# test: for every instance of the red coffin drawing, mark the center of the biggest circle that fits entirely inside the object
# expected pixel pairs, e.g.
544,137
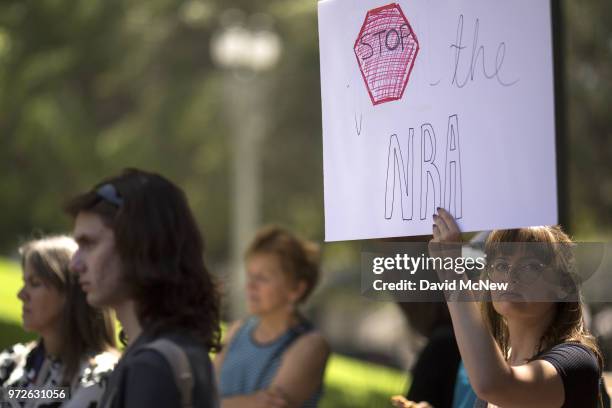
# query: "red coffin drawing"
386,49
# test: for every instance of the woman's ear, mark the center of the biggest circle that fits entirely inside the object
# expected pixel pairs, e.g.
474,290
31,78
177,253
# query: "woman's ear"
298,291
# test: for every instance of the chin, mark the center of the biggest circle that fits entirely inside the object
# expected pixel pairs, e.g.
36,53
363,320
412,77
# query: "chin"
261,310
509,308
522,309
254,309
94,300
29,327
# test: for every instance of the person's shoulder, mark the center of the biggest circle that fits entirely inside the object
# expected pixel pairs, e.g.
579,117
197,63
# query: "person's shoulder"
573,359
306,335
16,353
148,357
98,366
105,360
232,330
18,349
578,367
13,360
152,353
308,354
573,351
146,365
147,377
312,343
159,364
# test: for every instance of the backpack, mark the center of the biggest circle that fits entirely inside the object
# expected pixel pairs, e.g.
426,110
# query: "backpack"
179,363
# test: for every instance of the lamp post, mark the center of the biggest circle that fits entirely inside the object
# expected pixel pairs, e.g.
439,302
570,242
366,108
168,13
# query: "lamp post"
245,51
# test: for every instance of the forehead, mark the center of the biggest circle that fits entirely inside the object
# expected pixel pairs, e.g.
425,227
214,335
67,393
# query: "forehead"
90,225
516,250
516,255
28,269
263,262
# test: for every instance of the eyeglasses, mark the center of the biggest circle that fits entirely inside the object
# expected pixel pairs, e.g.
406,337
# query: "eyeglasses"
528,270
109,193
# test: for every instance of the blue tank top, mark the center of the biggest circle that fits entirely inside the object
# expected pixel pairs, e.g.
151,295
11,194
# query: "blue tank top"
250,366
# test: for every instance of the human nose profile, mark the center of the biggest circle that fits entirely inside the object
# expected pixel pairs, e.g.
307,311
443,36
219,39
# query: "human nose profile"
76,263
22,294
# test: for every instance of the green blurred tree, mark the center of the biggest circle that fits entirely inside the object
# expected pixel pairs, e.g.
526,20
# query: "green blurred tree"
87,88
91,87
588,67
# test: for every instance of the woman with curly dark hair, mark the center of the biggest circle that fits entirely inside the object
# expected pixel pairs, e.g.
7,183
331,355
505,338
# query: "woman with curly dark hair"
141,253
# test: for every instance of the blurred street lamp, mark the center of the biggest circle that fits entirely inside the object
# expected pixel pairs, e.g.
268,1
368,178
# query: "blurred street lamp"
240,48
245,52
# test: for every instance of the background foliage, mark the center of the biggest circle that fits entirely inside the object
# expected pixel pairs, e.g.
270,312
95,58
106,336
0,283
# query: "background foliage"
90,87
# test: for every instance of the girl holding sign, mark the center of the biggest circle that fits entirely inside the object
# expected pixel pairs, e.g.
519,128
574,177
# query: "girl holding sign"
520,353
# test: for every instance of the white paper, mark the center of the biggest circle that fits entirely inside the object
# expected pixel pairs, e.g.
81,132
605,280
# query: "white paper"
482,79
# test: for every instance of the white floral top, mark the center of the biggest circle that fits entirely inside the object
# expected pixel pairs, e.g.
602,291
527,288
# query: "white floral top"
85,391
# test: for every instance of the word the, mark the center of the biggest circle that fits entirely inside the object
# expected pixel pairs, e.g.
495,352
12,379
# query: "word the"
478,51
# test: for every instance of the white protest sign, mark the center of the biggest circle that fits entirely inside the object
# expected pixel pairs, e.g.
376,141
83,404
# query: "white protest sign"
436,104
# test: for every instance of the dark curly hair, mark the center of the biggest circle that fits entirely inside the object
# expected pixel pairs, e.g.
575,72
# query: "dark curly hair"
161,249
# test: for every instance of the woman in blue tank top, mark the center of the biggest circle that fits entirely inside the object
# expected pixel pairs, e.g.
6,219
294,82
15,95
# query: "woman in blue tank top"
274,358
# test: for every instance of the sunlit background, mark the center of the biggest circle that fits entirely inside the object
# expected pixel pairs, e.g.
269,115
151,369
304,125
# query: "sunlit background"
223,97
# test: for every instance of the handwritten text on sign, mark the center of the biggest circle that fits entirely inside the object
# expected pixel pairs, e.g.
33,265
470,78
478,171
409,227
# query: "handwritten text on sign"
431,105
386,48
